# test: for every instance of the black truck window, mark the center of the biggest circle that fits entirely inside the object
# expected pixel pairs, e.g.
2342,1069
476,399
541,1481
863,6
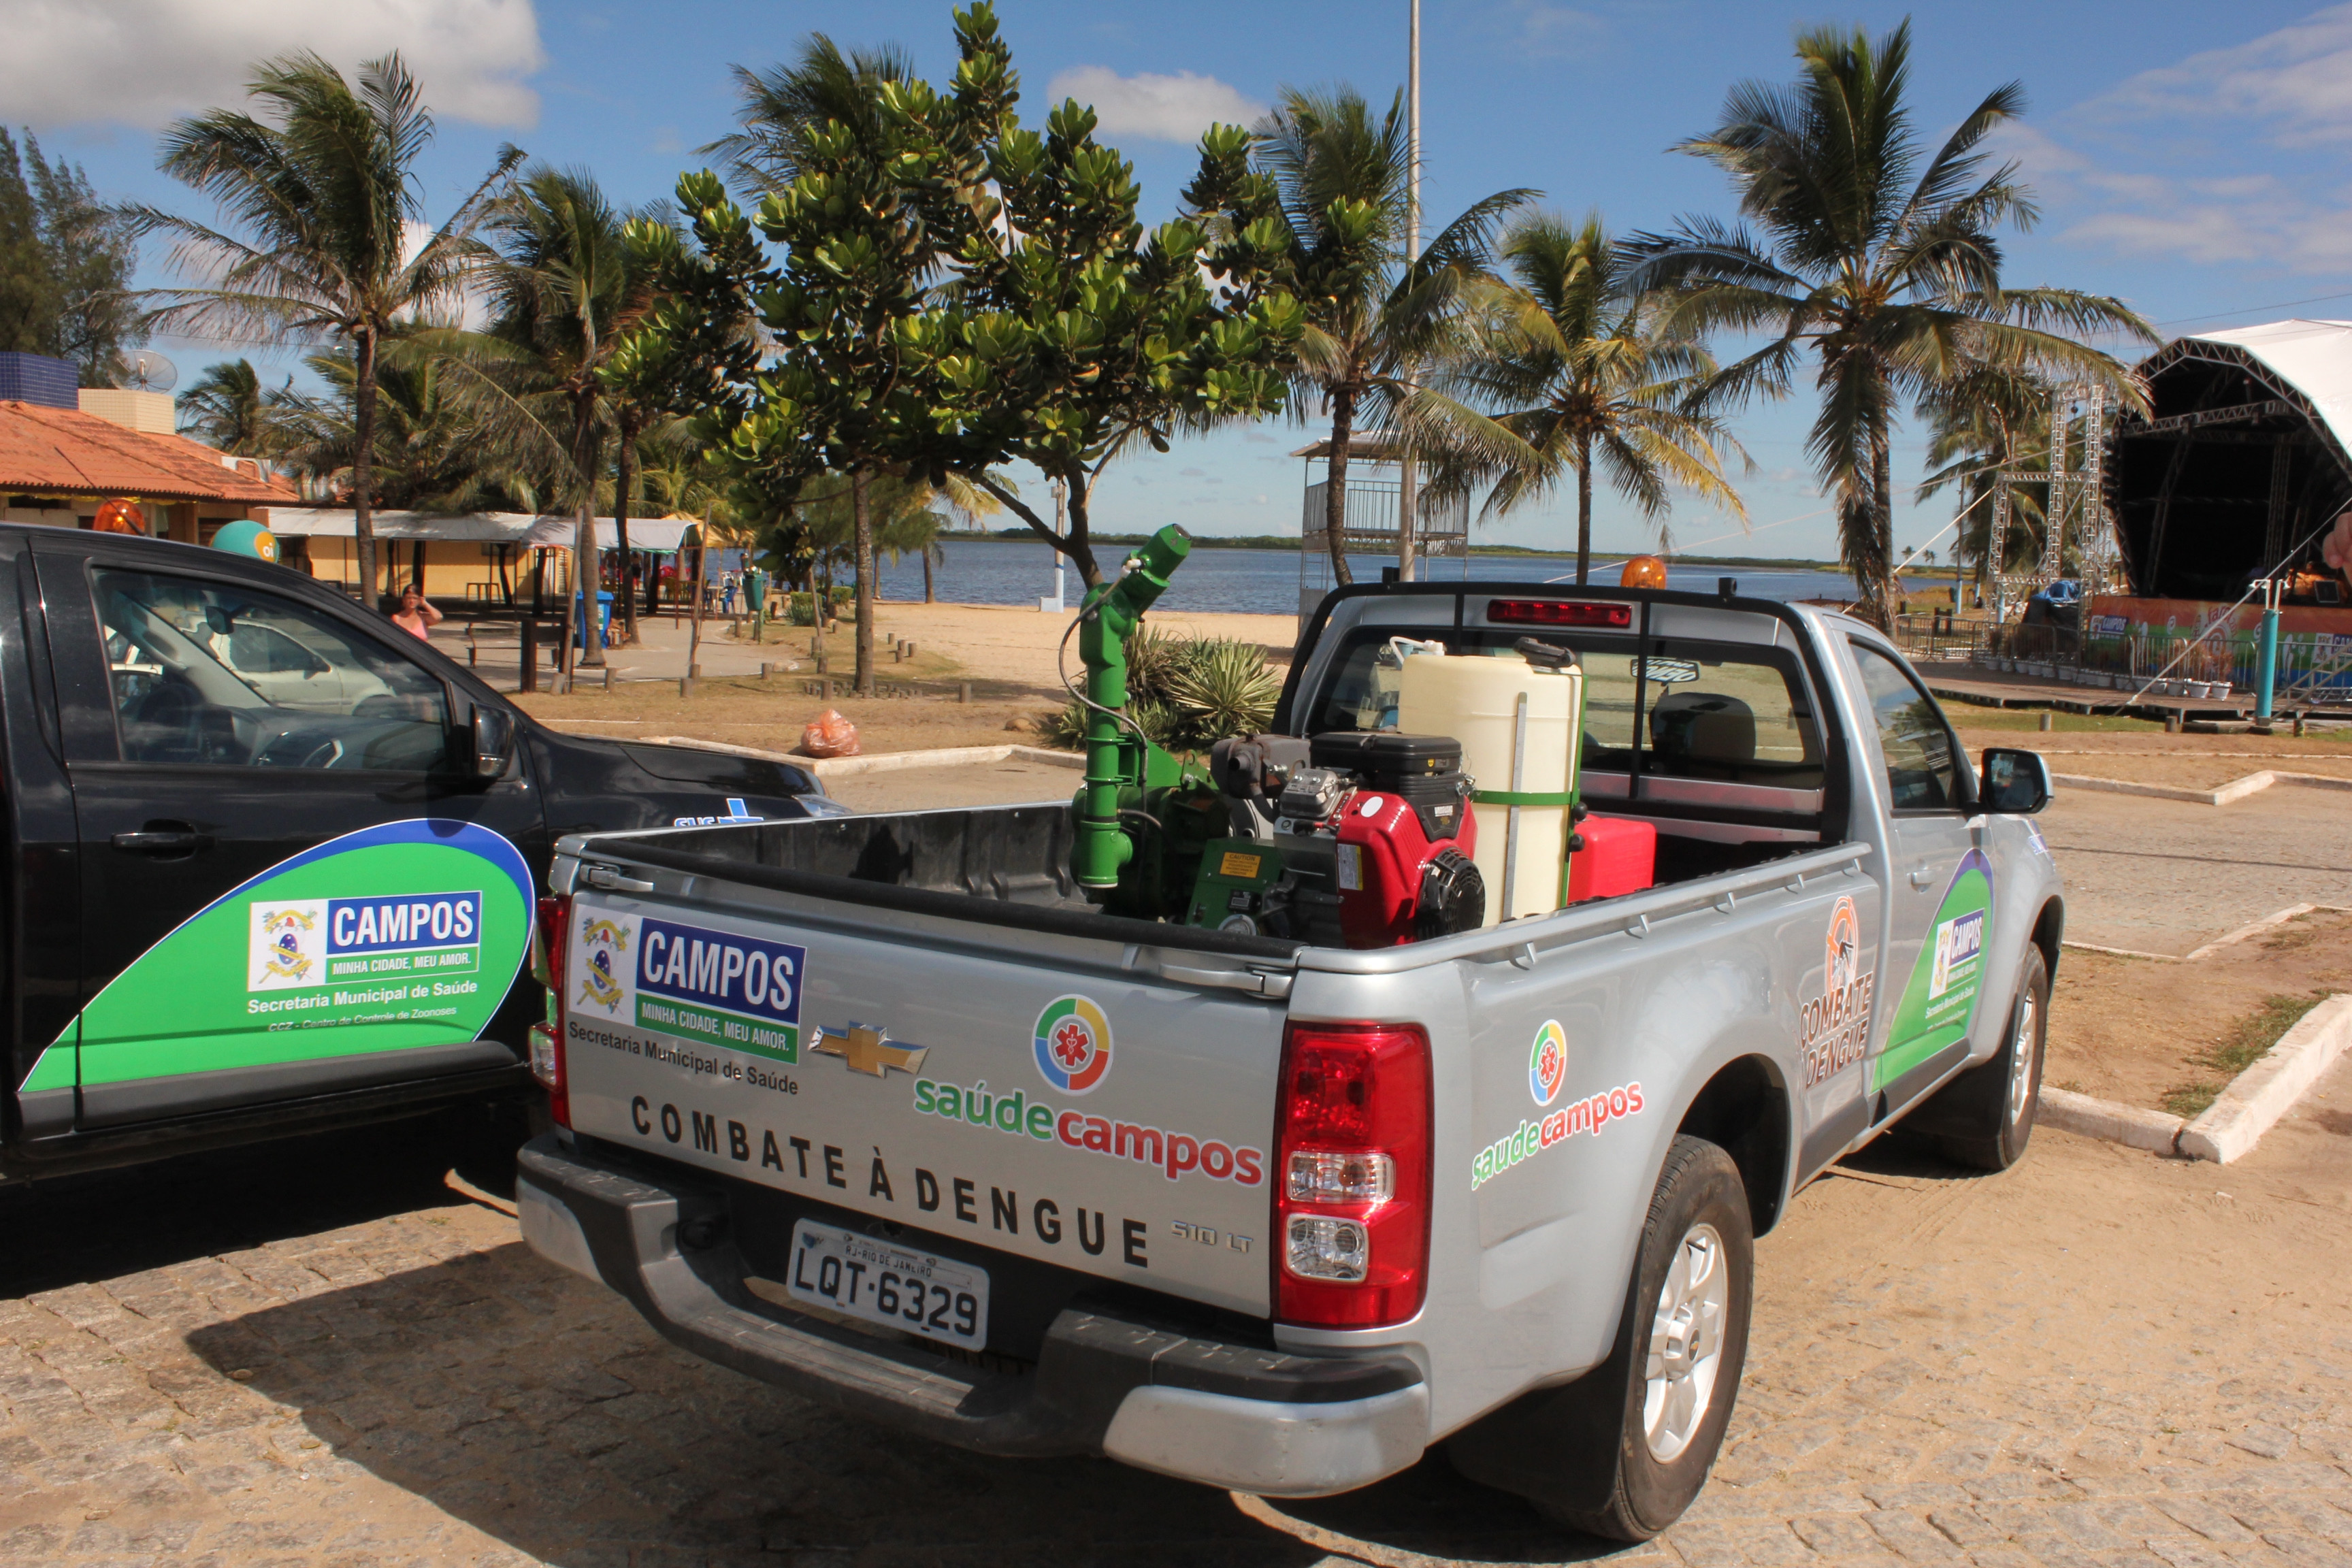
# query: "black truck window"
1922,756
213,672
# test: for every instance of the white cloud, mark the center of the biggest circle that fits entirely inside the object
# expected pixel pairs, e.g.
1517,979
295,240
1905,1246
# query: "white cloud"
2211,161
1164,108
2298,78
145,62
1548,31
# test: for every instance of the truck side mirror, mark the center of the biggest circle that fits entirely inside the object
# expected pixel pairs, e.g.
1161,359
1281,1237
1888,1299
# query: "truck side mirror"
493,741
2016,782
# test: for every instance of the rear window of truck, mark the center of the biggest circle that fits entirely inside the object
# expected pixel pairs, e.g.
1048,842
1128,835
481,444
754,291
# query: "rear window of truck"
1729,712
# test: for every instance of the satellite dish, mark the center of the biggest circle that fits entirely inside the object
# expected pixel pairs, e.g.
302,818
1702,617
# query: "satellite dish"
151,372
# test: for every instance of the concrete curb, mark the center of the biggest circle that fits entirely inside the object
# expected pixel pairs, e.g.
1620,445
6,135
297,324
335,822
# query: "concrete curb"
2235,789
2156,1132
881,762
2257,1098
2255,928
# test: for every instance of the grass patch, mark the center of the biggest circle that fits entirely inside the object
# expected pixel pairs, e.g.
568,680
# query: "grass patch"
2246,1043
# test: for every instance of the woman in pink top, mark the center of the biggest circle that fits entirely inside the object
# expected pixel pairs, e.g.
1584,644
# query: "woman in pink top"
416,613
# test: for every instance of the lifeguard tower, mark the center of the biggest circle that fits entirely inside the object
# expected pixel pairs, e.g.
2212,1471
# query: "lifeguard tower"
1373,517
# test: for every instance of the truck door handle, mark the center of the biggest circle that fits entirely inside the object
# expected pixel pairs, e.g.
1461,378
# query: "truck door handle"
1921,877
156,840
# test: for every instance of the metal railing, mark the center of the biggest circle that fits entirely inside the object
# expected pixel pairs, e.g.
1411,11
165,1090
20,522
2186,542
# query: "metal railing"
1372,513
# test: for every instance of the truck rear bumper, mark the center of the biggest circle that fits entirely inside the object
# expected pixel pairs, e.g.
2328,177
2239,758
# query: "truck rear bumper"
1236,1415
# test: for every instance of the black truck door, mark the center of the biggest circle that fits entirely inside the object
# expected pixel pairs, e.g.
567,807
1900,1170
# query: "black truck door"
290,885
42,912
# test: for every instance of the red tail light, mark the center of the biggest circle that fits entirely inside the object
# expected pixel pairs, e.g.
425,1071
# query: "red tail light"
551,937
1352,1194
1558,613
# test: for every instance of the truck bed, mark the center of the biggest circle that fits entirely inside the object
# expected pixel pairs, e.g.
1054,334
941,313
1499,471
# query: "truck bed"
1015,858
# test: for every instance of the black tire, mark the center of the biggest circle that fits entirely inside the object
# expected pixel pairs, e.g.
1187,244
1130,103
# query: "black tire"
1585,1453
1984,1118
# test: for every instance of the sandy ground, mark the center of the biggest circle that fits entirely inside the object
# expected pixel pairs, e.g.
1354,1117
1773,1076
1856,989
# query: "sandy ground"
2128,1029
1007,657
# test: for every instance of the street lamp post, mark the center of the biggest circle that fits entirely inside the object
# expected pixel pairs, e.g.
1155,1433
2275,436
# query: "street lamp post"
1408,479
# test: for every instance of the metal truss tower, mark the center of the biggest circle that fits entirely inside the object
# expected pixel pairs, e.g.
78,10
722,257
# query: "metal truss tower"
2077,506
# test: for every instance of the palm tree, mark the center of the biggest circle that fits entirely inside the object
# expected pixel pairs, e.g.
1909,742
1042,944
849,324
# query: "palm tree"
226,409
1892,281
563,283
325,192
1571,369
1342,176
780,106
427,454
1985,420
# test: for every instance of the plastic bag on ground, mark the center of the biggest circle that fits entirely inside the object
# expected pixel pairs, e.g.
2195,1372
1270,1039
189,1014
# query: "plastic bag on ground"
829,735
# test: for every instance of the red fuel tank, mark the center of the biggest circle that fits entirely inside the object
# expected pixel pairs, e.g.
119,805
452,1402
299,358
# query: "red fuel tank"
1620,856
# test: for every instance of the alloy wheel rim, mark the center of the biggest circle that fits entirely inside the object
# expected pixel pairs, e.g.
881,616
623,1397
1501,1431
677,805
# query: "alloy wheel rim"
1686,1344
2020,1065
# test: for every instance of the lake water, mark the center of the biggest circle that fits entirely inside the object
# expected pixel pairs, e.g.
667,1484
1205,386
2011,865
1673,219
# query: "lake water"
1265,582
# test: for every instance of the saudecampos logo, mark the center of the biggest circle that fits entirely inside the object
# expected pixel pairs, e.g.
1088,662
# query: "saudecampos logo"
1176,1154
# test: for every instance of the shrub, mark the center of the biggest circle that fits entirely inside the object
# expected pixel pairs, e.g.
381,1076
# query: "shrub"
1221,689
801,610
1184,693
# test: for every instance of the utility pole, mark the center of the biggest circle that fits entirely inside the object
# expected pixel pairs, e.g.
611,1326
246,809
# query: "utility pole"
1408,479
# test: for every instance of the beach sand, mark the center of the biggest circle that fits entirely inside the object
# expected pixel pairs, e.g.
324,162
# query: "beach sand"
1007,655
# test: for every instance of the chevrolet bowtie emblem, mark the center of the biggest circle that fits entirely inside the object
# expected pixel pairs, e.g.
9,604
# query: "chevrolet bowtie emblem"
867,1049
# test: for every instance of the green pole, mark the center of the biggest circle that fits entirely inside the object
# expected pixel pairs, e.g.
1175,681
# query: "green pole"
1110,613
2266,666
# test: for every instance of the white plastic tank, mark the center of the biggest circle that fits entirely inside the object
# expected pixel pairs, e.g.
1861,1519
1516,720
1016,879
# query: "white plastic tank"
1475,698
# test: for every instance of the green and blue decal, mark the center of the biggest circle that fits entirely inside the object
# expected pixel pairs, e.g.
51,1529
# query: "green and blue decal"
394,937
1939,1003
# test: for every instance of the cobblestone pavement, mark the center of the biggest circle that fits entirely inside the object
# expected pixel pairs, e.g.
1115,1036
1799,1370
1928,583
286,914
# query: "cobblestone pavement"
2101,1358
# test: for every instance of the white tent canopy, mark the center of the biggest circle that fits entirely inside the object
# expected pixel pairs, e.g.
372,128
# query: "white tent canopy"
545,531
2313,357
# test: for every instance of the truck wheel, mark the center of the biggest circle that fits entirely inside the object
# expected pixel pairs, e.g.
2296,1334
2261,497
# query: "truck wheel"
1623,1450
1984,1118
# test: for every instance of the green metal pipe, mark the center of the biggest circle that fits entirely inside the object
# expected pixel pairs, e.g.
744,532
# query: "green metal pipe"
1114,759
2266,665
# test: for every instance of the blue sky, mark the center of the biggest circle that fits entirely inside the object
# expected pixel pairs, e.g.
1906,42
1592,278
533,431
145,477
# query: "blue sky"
2189,158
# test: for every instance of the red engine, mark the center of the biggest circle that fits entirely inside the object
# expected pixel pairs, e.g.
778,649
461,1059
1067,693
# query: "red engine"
1405,839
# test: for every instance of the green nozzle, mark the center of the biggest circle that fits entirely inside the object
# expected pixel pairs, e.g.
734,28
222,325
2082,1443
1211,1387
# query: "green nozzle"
1110,613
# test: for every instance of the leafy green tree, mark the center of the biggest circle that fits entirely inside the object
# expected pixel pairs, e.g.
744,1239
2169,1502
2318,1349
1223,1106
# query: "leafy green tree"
227,407
1573,368
66,262
321,194
1875,255
958,294
1337,213
1069,333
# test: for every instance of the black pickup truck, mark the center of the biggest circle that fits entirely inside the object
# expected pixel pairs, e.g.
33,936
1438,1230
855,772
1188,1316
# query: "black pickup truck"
272,862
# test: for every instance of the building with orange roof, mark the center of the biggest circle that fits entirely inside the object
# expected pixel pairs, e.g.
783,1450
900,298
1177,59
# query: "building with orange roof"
62,467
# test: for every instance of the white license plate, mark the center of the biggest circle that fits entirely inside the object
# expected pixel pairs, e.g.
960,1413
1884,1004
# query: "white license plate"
893,1286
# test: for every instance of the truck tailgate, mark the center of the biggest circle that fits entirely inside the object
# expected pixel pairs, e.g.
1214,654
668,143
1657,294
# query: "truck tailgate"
1080,1115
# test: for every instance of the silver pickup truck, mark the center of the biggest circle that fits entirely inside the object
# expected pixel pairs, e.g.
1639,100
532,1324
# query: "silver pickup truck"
881,1110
